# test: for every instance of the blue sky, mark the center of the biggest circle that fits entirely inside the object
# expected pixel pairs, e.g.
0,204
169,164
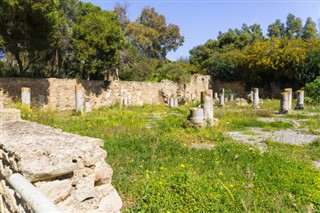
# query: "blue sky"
202,20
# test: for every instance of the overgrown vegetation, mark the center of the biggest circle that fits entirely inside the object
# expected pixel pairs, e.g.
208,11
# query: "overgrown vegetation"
156,170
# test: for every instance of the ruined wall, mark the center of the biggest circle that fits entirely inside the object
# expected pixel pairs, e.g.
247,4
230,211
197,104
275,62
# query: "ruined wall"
70,170
60,93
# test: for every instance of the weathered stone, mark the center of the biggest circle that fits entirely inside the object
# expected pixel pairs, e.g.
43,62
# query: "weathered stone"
60,93
103,173
110,202
221,100
79,98
255,98
207,105
85,188
231,97
215,96
289,91
284,103
56,190
68,168
25,96
300,100
10,114
87,105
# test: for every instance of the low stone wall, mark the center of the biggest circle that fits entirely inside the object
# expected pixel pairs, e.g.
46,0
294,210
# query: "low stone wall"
69,169
60,93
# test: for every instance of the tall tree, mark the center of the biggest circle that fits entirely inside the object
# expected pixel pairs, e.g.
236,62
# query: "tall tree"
151,35
277,29
67,12
28,27
294,26
121,11
309,29
96,41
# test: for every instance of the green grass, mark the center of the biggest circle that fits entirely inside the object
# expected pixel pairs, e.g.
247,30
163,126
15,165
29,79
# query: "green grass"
155,170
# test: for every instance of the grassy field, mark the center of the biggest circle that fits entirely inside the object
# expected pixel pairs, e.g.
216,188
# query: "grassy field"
156,170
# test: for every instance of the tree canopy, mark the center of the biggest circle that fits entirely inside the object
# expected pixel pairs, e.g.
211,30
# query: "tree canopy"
288,56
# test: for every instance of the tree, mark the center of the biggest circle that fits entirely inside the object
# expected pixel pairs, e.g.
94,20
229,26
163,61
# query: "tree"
121,11
67,12
310,29
151,35
96,42
294,26
277,29
28,27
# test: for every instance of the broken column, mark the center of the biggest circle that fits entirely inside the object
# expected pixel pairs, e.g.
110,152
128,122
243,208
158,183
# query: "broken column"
25,96
87,105
300,100
215,96
221,100
284,103
289,91
79,99
231,97
207,105
176,102
197,117
255,98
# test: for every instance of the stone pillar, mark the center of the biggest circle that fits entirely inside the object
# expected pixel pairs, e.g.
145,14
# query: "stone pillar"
87,105
215,96
300,100
197,118
207,105
255,98
171,102
25,96
289,91
231,97
284,103
175,102
221,100
79,99
125,102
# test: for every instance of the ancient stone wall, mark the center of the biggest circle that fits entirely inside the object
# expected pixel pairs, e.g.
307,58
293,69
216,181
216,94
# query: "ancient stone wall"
70,170
60,93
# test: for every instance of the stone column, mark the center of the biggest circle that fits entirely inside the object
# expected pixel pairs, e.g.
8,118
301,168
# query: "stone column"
207,105
289,91
255,98
125,101
300,100
231,97
87,105
171,102
215,95
25,96
79,99
196,117
221,100
284,103
175,102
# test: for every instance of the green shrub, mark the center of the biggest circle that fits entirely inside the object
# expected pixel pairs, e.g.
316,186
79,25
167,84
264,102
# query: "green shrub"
25,111
313,91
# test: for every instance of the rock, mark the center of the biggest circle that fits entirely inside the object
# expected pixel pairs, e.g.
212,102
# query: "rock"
56,190
103,173
10,114
69,169
111,202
